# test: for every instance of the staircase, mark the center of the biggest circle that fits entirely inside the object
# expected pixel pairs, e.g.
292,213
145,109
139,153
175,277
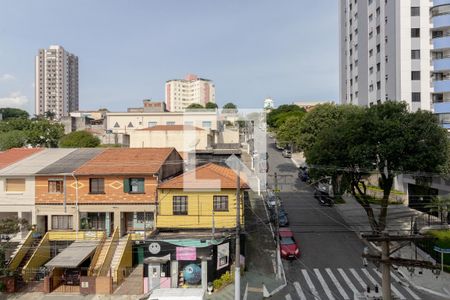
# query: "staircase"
120,259
101,257
31,249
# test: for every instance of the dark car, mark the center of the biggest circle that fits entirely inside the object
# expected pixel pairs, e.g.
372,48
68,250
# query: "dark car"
71,277
288,245
323,197
283,220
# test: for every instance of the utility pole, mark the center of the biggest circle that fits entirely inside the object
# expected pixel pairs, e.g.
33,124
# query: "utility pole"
386,260
277,226
237,267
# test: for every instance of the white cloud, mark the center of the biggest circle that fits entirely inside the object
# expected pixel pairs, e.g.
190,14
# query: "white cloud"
6,77
14,99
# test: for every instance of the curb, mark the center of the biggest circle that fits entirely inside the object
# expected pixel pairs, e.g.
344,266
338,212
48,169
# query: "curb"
415,285
295,163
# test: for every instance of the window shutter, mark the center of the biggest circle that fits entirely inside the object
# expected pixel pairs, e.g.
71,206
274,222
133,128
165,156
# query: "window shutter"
126,185
141,187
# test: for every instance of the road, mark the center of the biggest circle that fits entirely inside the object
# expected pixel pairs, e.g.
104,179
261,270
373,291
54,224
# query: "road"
330,266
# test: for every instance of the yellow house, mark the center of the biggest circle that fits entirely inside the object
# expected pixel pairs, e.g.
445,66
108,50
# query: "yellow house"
200,199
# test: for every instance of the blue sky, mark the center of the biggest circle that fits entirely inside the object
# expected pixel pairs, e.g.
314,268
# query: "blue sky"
251,49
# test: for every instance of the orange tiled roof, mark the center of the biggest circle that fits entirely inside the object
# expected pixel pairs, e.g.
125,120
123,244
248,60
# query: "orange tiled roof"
171,128
126,161
219,178
13,155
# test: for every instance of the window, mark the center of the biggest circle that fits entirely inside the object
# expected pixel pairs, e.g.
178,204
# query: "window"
415,54
61,222
378,85
96,185
378,29
415,11
415,32
206,124
170,123
220,203
144,217
370,53
415,97
152,124
55,186
415,75
116,125
371,70
378,48
180,205
130,125
134,185
371,88
15,185
378,67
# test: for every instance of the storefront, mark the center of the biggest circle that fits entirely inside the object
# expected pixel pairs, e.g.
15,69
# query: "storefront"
184,262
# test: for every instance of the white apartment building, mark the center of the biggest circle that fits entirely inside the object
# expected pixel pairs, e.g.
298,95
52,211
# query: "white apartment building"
385,52
180,93
56,82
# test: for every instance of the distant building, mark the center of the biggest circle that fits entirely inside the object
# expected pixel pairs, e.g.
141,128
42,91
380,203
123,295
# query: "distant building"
149,106
268,103
180,93
56,82
308,105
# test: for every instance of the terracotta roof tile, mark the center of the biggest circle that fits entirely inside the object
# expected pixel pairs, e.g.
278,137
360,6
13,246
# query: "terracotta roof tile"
209,176
171,128
11,156
126,161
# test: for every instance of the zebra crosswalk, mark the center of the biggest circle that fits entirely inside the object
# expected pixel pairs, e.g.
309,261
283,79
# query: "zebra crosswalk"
336,284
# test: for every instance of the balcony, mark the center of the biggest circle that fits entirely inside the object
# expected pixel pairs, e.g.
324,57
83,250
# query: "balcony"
440,2
441,43
441,64
441,86
441,108
441,21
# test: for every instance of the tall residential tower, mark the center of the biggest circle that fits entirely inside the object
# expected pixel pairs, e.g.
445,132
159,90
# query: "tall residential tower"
180,93
56,82
385,52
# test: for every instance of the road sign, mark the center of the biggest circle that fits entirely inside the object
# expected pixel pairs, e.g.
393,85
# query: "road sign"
441,250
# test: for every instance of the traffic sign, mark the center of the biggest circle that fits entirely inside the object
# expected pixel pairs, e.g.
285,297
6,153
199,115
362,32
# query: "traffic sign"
442,250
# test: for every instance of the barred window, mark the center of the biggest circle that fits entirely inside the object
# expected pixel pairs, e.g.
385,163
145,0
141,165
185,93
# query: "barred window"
220,203
96,185
55,186
61,222
180,205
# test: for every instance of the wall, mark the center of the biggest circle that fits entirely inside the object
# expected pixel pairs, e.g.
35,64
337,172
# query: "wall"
200,207
18,201
114,193
180,140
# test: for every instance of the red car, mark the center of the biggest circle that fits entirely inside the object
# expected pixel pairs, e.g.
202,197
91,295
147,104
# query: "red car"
288,244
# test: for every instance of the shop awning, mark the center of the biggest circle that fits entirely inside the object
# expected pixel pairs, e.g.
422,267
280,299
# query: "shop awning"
74,255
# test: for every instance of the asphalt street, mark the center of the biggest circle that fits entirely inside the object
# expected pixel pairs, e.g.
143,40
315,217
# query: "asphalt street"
330,266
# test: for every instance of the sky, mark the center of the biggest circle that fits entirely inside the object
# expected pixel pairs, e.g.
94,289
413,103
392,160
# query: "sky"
127,50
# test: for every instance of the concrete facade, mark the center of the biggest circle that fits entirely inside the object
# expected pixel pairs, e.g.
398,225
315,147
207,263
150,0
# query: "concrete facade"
56,82
385,52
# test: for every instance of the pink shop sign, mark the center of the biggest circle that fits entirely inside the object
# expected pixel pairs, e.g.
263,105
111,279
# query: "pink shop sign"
186,253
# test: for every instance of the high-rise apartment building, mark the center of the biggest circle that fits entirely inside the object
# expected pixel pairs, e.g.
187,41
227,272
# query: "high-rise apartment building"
180,93
440,34
385,52
56,81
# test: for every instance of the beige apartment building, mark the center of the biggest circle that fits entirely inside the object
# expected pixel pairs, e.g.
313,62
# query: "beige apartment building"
180,93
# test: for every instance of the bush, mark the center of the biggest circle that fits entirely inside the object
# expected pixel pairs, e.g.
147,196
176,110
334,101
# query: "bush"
224,280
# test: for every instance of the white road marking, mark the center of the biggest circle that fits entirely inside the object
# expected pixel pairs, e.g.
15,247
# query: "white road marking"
374,282
337,284
361,282
288,297
311,286
414,295
324,284
299,291
393,288
348,282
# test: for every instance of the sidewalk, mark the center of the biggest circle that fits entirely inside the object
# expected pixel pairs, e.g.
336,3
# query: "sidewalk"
399,221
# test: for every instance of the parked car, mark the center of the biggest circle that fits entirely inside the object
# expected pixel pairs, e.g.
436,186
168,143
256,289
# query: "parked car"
279,146
288,245
283,220
71,277
323,192
270,199
287,153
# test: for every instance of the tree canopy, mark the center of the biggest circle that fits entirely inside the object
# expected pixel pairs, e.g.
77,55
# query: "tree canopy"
211,105
79,139
21,132
279,115
229,105
12,113
194,106
351,142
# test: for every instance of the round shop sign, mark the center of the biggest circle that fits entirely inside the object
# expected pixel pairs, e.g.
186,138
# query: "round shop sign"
154,248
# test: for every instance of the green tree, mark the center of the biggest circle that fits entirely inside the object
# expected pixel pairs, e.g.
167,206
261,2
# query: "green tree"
79,139
229,105
12,113
384,139
12,139
277,116
195,106
441,206
211,105
289,130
